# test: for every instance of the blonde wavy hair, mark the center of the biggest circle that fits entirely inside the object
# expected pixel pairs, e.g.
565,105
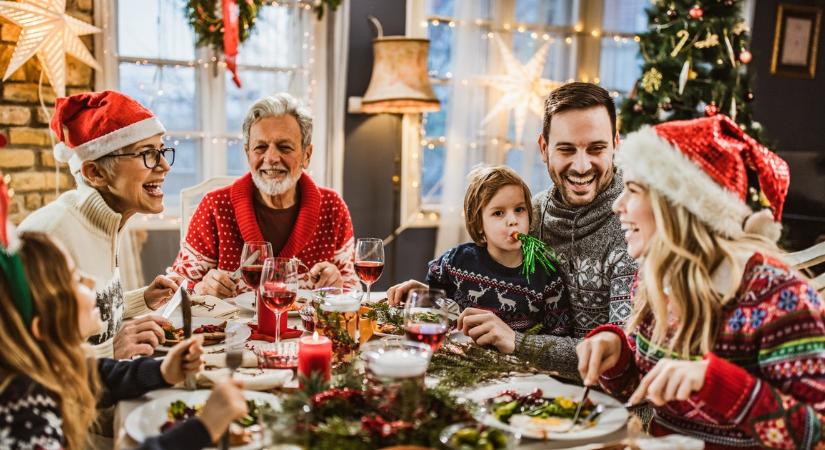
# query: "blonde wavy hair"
682,257
57,359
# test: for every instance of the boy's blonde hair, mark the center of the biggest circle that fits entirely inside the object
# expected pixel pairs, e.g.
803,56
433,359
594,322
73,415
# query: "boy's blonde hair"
485,181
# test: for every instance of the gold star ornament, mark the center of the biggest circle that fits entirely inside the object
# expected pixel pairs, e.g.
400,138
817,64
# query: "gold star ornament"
522,86
48,32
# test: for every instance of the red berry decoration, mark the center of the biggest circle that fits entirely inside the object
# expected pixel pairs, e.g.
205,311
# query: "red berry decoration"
696,12
711,110
745,56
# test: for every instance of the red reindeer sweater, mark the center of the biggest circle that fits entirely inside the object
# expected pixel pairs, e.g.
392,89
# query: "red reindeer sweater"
225,219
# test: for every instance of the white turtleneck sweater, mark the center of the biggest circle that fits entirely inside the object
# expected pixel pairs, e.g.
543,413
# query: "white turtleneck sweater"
82,221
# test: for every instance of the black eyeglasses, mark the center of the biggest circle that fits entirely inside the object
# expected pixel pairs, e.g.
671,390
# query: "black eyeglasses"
151,158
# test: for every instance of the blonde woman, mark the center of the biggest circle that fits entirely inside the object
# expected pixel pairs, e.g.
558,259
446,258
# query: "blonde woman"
50,384
725,340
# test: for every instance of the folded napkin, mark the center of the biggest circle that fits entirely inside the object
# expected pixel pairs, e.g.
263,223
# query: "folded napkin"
253,379
219,359
209,306
286,333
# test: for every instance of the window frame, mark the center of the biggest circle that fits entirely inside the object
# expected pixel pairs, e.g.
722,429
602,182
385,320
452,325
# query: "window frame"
210,95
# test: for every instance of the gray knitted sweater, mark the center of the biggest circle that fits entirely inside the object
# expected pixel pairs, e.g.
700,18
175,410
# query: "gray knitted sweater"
596,270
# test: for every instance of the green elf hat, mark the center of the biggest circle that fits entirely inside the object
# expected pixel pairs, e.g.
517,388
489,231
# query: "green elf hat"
11,264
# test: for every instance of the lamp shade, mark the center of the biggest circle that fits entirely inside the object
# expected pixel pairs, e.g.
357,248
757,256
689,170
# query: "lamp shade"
399,82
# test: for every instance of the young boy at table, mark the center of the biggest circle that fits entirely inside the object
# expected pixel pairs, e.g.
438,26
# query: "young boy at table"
487,273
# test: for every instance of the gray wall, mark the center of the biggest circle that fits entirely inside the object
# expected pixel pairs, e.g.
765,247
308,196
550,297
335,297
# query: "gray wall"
373,151
792,112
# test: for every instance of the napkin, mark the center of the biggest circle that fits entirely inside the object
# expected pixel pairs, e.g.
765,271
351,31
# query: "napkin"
219,359
286,333
253,379
209,306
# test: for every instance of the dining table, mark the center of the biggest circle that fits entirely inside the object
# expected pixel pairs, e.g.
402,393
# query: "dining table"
123,440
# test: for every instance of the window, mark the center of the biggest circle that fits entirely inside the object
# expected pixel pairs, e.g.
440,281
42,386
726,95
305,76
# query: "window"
526,26
190,90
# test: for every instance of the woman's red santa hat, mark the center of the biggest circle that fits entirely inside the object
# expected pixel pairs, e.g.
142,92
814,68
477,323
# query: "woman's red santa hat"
703,164
94,124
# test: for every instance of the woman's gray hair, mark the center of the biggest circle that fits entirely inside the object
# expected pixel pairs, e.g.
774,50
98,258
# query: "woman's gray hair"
278,105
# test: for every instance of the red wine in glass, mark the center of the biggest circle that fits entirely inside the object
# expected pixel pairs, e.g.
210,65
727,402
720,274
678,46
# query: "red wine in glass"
277,297
369,271
252,275
432,334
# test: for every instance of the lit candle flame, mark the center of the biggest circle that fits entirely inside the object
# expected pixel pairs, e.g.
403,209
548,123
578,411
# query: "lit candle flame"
315,336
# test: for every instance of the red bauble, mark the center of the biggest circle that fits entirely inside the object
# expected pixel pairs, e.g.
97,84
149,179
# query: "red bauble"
696,12
745,56
711,110
3,140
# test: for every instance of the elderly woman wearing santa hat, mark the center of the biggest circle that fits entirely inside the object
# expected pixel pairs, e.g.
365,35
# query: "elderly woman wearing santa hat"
726,341
114,149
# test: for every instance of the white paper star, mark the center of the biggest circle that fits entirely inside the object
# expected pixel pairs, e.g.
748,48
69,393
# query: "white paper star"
48,32
523,87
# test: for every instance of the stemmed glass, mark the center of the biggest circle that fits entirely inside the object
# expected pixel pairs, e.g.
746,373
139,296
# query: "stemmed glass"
425,317
279,286
251,267
369,261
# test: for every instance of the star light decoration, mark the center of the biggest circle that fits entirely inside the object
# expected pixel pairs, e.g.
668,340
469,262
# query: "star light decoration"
522,85
50,33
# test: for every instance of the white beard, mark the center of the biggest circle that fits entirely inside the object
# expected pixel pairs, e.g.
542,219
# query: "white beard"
274,187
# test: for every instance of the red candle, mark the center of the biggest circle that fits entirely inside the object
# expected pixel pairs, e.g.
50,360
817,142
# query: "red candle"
314,355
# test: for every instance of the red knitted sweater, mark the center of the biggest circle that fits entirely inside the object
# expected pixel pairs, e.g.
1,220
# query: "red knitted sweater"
765,381
225,219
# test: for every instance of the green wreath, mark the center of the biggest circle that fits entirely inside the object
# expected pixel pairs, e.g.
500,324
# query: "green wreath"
208,26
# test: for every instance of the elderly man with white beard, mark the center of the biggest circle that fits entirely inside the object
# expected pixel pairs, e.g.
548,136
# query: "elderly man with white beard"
275,202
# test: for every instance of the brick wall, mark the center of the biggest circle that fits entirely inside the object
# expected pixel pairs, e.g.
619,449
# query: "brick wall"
27,157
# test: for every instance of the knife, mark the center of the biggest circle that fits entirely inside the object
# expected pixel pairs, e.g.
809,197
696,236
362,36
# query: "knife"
186,312
247,261
170,307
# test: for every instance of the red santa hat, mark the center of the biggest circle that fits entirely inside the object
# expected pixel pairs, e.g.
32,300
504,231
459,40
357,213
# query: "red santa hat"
703,165
94,124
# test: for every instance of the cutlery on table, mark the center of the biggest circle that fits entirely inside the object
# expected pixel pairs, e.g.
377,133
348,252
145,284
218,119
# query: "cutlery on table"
234,360
186,312
578,413
170,307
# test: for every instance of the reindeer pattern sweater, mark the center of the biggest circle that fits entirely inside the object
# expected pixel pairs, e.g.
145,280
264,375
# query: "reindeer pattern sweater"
472,278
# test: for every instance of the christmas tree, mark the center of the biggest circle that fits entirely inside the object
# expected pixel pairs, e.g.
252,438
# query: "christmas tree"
695,64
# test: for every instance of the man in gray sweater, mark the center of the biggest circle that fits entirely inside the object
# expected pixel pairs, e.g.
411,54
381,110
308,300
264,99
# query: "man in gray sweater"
575,218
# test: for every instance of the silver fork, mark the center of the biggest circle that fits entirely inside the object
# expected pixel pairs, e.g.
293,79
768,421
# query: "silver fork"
234,359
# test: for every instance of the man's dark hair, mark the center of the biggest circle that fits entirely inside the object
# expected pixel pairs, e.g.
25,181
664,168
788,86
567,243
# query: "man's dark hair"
577,95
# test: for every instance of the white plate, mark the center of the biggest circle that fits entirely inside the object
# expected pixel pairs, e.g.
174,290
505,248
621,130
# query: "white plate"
145,421
247,301
177,322
613,418
254,379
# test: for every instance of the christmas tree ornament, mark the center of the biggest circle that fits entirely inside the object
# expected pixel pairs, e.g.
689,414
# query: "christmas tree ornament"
692,74
3,140
666,104
696,12
712,40
745,56
522,86
671,12
749,96
683,76
534,249
732,113
638,107
711,109
728,3
683,36
50,33
652,80
730,49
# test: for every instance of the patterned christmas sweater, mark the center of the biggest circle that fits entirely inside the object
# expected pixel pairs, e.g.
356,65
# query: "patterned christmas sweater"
765,381
31,419
225,219
472,278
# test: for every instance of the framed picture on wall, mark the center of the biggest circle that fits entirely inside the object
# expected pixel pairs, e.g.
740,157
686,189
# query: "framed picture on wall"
795,40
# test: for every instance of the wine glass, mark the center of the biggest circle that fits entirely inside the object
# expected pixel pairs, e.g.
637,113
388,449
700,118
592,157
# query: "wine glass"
279,286
251,267
369,261
425,317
